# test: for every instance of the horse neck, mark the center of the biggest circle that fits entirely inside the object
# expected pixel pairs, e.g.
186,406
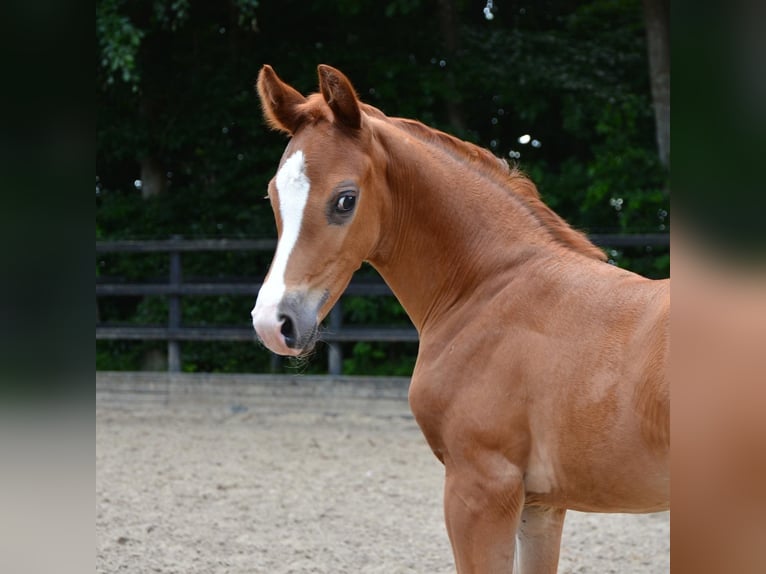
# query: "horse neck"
452,228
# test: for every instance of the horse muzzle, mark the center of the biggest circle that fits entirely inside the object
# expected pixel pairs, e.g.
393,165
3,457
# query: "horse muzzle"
290,326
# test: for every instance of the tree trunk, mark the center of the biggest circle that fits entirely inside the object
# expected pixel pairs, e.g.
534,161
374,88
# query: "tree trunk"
657,16
451,39
152,177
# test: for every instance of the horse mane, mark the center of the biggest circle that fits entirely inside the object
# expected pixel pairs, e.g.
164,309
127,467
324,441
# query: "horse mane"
512,179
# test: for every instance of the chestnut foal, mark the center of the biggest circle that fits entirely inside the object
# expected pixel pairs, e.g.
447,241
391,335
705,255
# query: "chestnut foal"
540,380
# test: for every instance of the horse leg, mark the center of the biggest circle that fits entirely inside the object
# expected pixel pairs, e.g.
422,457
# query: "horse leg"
482,512
539,539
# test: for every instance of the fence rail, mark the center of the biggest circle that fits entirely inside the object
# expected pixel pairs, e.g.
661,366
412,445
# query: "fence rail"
174,332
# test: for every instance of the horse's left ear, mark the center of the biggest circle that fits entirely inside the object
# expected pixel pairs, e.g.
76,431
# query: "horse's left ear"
340,96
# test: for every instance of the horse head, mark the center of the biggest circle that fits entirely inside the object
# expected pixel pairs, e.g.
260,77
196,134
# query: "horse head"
327,203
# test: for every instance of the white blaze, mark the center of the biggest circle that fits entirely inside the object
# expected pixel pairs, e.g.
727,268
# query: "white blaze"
293,192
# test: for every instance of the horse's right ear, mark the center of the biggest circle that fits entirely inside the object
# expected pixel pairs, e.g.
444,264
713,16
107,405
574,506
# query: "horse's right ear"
281,103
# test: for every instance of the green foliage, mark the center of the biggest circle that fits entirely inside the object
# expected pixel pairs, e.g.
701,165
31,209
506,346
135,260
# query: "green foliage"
381,359
118,42
366,310
171,15
174,84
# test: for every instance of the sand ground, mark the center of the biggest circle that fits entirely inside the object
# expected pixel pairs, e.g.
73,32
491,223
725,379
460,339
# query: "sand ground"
280,484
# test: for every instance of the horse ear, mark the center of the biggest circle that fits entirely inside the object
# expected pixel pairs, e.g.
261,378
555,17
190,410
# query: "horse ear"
281,103
340,96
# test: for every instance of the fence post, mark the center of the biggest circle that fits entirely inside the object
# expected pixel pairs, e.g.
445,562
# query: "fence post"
335,354
174,311
275,363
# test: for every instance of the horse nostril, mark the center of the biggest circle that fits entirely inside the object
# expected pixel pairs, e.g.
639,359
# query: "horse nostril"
288,330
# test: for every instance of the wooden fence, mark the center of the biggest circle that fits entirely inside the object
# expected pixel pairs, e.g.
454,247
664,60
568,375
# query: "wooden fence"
175,288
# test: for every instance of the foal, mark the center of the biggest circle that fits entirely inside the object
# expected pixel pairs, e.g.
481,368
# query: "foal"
540,381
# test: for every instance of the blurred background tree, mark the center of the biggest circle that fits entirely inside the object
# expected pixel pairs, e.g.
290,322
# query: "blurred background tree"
564,88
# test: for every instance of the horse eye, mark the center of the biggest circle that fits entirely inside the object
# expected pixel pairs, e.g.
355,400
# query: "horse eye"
345,203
